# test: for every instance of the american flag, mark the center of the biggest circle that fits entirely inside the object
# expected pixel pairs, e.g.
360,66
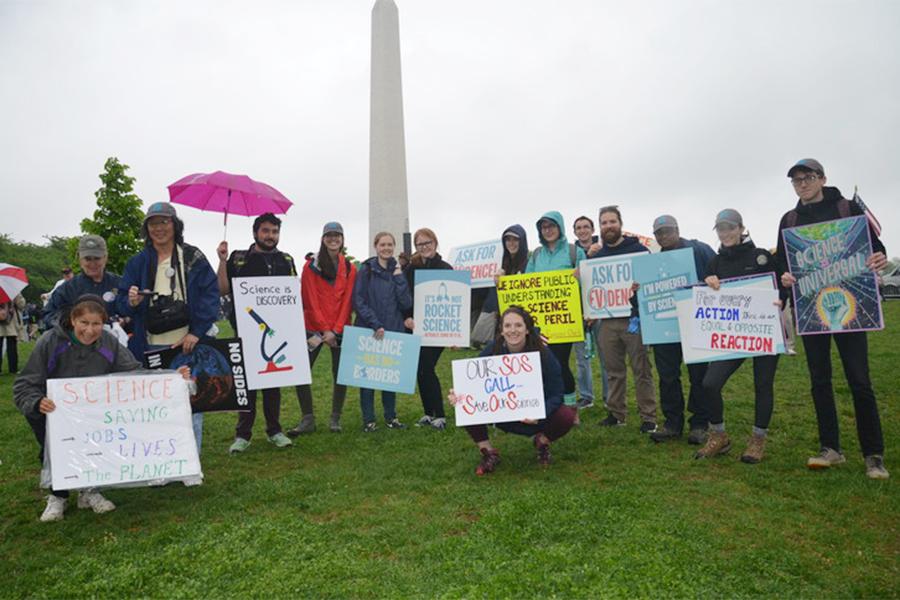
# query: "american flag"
873,221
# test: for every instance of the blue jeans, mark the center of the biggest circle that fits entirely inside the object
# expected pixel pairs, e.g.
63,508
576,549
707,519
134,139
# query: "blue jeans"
367,405
584,375
196,418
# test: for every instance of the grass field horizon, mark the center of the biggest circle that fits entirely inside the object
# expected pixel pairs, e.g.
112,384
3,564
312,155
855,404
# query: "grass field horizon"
401,513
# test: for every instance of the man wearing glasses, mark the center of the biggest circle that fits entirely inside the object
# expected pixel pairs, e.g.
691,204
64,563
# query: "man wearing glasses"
818,203
93,279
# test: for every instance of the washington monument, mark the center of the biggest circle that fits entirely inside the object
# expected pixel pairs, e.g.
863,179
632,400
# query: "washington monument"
388,204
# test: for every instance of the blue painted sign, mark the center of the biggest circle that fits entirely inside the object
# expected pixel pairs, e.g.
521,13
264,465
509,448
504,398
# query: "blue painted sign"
660,275
387,364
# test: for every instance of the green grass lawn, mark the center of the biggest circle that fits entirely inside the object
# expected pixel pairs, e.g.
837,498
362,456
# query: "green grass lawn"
401,513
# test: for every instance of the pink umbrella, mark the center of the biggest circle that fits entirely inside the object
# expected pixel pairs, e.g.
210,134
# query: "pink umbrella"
230,194
12,281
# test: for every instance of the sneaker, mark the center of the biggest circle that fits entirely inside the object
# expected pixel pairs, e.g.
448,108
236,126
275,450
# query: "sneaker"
611,421
648,427
56,506
334,425
490,458
664,434
875,467
585,403
439,423
95,501
717,444
754,452
697,436
239,445
280,440
395,424
543,452
370,427
424,421
307,424
825,459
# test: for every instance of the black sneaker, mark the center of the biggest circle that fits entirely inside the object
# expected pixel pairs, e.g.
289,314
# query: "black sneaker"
664,434
648,427
611,421
370,427
395,424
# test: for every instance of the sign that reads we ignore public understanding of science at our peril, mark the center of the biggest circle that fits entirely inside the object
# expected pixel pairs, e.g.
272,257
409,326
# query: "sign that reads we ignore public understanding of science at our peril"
120,429
442,307
498,389
388,364
551,297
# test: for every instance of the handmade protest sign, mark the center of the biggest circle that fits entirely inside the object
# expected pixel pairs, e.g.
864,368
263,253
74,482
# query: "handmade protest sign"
442,307
551,297
481,260
743,320
498,389
730,348
659,275
388,364
606,286
217,366
269,315
120,429
835,291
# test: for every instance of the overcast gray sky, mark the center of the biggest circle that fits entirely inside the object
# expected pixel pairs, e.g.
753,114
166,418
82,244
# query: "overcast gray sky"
512,108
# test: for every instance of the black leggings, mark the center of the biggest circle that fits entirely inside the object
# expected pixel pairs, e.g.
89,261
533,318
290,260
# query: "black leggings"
718,374
429,384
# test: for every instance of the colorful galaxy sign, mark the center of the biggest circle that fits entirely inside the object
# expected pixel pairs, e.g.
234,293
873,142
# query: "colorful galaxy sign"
835,291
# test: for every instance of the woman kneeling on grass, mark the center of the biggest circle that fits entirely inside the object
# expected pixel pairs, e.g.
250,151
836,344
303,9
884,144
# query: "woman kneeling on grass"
516,333
77,347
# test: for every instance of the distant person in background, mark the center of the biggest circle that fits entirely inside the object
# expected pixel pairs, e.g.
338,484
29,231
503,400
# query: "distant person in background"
11,328
67,275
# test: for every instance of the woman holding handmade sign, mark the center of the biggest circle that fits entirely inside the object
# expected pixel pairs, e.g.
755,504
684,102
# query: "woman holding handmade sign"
515,258
426,257
738,256
516,333
380,298
77,347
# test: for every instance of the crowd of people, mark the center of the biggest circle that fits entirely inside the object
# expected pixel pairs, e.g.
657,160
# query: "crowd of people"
169,296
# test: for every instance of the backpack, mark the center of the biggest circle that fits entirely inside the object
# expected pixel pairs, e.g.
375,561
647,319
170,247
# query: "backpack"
790,219
573,253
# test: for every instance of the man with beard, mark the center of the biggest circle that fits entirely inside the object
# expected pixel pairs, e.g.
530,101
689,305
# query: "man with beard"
93,279
618,338
262,259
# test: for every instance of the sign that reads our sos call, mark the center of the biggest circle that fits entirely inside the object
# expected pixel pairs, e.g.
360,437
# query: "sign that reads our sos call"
498,389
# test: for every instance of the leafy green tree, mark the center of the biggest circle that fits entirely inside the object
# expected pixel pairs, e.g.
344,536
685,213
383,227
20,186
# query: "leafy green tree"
42,263
118,217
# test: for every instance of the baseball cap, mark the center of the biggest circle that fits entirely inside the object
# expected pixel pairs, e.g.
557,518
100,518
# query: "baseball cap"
664,221
92,245
809,164
730,216
161,209
332,227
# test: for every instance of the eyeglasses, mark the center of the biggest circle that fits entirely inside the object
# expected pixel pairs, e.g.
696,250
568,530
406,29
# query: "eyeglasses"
162,222
798,181
425,244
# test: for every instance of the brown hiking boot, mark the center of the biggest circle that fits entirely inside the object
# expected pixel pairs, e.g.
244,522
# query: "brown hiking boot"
755,450
490,458
717,444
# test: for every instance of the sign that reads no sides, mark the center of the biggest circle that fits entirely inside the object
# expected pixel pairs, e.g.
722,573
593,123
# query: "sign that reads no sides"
442,307
498,389
551,297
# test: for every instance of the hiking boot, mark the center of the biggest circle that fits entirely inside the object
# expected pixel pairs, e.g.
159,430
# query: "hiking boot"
394,424
238,446
875,467
665,433
585,403
439,423
648,427
543,452
825,459
717,444
425,421
755,448
370,427
334,425
307,424
95,501
697,436
56,506
280,440
490,458
611,421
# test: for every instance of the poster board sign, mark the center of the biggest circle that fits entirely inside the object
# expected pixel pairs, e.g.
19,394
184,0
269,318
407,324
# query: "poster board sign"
217,366
684,305
606,286
443,301
647,241
551,297
481,260
835,291
744,320
269,314
498,389
388,364
660,275
120,429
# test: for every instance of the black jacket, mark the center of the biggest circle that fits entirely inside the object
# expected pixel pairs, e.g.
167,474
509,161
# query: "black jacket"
435,262
745,260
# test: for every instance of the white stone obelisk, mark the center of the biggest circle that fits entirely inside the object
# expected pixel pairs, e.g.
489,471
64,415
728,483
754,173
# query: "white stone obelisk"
388,203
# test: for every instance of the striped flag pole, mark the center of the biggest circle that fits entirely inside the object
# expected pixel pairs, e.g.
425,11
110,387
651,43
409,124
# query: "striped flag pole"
870,216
